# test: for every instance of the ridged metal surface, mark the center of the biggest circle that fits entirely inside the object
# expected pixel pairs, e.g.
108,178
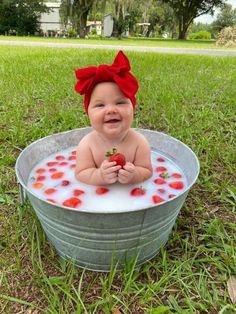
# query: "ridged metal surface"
97,240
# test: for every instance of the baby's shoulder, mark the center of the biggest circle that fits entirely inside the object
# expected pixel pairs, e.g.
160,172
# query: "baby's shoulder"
138,136
87,140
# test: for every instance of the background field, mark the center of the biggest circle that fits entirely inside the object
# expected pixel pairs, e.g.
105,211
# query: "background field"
135,41
189,97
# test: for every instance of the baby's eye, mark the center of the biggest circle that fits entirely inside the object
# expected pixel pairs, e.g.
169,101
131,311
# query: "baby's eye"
121,102
99,105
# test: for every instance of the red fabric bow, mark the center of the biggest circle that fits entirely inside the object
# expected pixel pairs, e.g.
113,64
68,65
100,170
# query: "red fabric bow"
118,72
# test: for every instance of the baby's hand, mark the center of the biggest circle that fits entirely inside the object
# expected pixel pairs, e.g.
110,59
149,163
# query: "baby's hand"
126,174
109,171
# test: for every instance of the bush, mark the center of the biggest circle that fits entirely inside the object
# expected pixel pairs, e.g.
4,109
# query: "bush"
72,33
227,37
200,35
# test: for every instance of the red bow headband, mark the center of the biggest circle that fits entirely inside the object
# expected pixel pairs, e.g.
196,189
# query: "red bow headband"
118,72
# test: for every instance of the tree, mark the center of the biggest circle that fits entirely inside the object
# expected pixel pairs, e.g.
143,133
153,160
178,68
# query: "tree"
226,18
81,10
22,16
187,10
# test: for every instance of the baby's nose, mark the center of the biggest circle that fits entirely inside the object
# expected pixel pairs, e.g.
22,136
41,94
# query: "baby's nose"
111,108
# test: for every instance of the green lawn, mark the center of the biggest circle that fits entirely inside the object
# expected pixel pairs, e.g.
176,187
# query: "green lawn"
134,41
189,97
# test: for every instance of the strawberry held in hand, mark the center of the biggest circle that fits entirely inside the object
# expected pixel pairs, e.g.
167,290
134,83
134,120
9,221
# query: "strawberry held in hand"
117,157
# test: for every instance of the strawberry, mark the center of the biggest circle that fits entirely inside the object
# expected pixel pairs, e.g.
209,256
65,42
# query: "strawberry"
171,196
159,181
63,163
164,175
157,199
100,191
138,192
52,163
161,169
71,157
78,192
117,157
177,185
59,157
65,182
72,202
40,178
162,191
38,185
40,170
50,191
160,159
52,169
57,175
176,175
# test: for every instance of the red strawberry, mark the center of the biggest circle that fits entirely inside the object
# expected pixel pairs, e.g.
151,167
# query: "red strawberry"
176,175
78,192
100,191
160,159
52,169
72,157
138,192
50,191
40,170
59,157
65,182
171,196
40,178
161,169
159,181
157,199
72,202
162,191
117,157
177,185
63,163
52,163
57,175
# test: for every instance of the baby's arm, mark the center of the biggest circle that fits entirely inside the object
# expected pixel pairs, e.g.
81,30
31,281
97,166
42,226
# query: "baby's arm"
86,170
141,169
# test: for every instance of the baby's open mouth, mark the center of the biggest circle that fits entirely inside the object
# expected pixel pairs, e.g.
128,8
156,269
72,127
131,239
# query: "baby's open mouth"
112,121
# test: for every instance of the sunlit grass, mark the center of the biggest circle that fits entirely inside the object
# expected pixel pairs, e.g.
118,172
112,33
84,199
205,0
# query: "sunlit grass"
189,97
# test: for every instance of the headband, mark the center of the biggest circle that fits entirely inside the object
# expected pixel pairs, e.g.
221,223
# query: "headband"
118,72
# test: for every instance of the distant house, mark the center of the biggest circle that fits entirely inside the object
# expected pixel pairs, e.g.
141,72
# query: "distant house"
94,25
50,22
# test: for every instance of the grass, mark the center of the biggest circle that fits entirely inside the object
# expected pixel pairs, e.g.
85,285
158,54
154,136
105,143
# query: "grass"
189,97
132,41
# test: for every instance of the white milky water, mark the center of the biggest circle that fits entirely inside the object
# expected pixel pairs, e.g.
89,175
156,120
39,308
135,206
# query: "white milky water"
53,180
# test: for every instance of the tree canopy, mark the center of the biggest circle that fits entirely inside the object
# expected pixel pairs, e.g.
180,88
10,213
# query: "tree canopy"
187,10
20,16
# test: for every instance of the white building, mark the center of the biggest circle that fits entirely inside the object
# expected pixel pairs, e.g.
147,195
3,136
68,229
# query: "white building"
51,21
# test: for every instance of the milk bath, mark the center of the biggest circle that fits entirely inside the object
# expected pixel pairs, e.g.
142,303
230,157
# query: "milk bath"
53,180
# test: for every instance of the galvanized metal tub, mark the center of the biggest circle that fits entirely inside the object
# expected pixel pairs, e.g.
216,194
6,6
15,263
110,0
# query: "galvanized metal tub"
99,240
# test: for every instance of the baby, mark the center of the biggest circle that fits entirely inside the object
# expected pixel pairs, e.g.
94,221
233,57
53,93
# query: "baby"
110,102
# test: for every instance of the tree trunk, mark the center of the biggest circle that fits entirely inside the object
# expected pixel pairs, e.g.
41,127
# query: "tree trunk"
82,25
182,28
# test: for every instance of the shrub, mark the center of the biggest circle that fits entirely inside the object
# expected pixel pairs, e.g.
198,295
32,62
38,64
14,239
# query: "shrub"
72,33
200,35
227,37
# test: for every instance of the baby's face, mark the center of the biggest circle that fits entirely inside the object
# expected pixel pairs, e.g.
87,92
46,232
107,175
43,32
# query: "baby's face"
109,111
